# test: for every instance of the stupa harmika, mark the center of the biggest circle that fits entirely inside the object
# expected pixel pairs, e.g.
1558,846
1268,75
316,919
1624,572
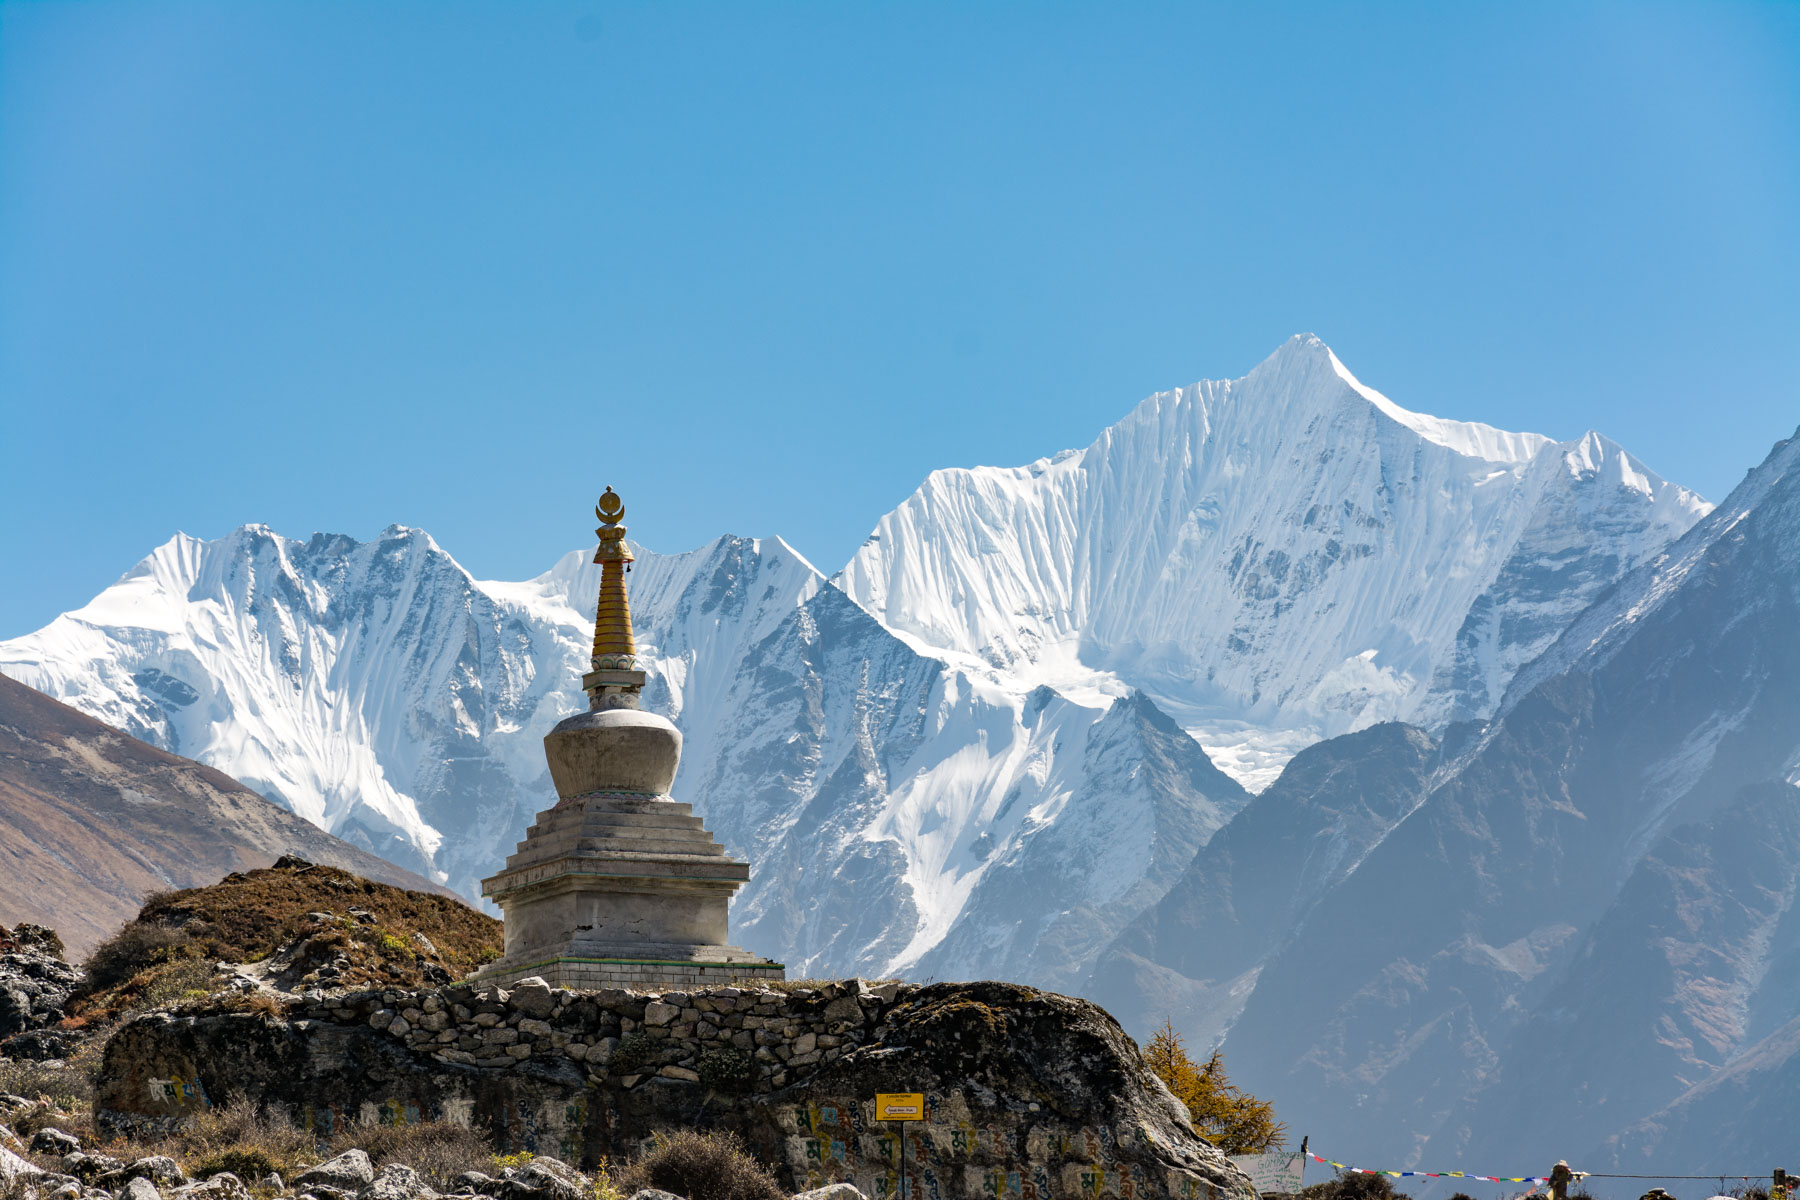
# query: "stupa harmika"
618,885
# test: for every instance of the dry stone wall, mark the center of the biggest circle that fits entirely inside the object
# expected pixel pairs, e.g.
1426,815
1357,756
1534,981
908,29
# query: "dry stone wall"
1029,1095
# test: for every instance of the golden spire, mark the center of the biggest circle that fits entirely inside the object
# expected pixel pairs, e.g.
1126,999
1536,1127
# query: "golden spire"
615,681
612,618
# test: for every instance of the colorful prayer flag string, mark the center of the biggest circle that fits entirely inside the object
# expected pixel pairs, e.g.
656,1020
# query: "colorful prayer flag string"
1532,1179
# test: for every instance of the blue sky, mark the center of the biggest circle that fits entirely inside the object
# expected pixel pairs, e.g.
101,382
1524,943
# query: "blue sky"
761,267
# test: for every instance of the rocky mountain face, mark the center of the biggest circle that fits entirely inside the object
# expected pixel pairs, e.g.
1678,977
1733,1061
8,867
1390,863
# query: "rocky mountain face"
1193,958
1599,891
93,820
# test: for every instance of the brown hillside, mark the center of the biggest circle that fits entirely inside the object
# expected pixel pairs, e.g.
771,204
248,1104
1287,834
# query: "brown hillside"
93,821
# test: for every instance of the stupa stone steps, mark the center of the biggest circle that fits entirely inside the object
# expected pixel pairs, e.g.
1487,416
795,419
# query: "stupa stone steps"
613,833
622,825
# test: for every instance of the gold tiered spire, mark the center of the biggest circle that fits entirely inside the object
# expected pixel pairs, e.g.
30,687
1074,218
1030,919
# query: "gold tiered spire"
612,619
615,680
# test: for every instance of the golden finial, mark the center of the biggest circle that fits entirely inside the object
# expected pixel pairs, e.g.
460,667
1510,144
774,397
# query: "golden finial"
611,511
614,647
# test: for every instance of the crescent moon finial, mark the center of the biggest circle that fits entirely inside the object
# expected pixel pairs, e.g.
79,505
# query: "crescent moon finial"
610,509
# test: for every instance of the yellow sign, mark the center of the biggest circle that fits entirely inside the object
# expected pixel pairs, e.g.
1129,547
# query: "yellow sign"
900,1106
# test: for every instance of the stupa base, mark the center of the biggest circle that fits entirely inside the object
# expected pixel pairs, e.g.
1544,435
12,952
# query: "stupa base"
634,974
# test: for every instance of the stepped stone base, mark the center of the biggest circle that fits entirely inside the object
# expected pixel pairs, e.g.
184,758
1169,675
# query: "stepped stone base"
636,975
619,889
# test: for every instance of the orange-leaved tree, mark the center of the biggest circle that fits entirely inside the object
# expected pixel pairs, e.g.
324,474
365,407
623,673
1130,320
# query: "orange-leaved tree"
1233,1120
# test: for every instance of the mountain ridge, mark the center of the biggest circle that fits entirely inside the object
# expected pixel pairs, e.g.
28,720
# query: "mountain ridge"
95,820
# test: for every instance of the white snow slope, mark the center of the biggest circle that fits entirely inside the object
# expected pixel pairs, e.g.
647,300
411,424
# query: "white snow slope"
1279,557
1289,554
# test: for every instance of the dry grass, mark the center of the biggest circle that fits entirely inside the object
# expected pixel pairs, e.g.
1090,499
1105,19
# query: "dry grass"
701,1166
252,1143
438,1150
61,1086
248,916
240,1132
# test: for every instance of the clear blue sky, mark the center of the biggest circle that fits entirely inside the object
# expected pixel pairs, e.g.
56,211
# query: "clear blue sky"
761,267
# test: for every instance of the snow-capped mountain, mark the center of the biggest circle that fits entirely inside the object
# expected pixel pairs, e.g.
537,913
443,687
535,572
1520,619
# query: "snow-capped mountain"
1273,559
970,760
384,694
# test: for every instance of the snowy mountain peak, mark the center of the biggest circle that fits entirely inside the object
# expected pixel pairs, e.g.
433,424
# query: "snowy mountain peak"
1290,551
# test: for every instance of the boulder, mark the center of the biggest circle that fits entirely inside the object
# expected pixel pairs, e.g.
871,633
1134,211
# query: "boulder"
349,1172
38,1045
223,1186
54,1141
90,1168
159,1169
12,1168
139,1188
35,982
543,1178
532,996
653,1194
833,1191
395,1181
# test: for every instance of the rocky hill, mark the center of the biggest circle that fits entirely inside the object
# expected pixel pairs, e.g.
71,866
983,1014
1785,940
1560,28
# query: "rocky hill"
92,821
290,927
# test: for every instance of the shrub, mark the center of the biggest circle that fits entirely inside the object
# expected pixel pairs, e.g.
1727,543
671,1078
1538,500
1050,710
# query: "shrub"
259,1141
171,983
727,1070
605,1186
44,1115
438,1150
701,1166
247,1163
632,1054
137,946
1353,1185
1233,1120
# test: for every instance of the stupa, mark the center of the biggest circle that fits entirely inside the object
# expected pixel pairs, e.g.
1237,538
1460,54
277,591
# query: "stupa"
618,885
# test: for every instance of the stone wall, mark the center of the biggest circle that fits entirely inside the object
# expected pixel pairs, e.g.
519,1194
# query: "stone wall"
1028,1095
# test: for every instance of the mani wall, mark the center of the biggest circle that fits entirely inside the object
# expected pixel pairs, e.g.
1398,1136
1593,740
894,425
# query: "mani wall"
1029,1095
